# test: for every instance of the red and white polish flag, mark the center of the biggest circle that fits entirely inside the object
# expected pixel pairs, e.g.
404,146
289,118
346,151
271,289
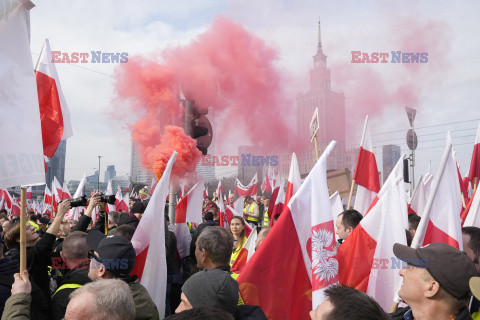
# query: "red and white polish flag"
109,192
57,189
472,210
441,221
294,180
305,234
188,209
8,200
337,208
276,202
29,193
224,222
47,199
250,190
474,173
268,182
120,203
65,192
365,257
239,204
15,208
54,113
246,252
74,213
366,173
149,242
420,195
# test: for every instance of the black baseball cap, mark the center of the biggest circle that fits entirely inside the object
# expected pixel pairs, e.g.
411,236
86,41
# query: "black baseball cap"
115,252
138,207
446,264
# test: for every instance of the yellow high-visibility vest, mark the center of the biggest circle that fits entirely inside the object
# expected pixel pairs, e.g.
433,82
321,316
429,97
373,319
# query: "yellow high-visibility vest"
235,253
34,225
250,209
67,286
266,219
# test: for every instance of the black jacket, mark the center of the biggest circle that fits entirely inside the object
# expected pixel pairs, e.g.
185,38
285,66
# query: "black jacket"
399,314
126,218
7,269
249,312
84,221
61,298
38,261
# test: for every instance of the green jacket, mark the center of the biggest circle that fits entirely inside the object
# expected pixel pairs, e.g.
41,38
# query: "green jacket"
17,307
145,308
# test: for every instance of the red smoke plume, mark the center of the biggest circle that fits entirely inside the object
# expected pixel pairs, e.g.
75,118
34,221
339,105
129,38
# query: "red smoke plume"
226,69
174,139
373,88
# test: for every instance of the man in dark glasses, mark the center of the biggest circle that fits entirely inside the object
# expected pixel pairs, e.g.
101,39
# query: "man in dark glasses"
113,257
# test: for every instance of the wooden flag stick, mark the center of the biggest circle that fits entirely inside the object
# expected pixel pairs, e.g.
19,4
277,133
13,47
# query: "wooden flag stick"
394,307
106,222
351,193
23,229
463,201
316,147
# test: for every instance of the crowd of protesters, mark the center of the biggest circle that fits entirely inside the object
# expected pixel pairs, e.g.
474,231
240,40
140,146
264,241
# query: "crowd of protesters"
70,274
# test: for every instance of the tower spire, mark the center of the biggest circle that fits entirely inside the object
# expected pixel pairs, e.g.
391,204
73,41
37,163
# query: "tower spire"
319,59
319,35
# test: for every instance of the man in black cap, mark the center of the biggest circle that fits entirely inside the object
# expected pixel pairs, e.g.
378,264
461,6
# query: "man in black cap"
114,257
435,282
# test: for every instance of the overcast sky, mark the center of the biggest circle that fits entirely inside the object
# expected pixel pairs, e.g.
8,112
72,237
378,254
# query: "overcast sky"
448,95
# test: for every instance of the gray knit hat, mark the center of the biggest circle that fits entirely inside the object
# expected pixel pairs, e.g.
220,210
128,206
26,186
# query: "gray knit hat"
212,288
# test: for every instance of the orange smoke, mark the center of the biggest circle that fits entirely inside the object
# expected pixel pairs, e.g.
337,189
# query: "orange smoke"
174,139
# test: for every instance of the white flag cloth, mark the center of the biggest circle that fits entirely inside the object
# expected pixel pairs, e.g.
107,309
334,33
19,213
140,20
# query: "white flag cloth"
250,243
108,192
441,219
75,212
188,209
337,208
149,242
239,204
294,180
371,268
473,218
21,154
366,173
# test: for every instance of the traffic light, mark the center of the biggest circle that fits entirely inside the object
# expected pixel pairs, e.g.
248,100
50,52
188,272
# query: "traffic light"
198,126
406,178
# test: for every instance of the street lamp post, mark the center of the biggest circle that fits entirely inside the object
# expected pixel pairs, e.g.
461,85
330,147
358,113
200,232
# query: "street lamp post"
98,181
